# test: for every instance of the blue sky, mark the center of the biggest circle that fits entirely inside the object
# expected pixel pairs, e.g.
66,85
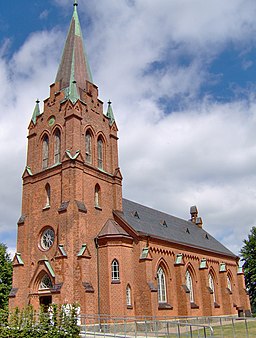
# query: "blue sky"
181,76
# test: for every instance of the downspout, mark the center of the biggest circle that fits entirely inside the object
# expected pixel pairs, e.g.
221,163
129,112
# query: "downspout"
98,274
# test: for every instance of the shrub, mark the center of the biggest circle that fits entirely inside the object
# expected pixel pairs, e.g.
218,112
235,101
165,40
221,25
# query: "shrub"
57,322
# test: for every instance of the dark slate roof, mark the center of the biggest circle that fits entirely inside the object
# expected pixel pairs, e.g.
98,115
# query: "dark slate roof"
145,220
112,228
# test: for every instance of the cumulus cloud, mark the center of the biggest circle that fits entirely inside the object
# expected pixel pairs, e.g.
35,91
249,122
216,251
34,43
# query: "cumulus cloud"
177,146
24,78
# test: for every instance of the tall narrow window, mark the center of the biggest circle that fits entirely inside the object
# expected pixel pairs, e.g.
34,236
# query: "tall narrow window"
88,147
128,295
45,151
97,196
229,285
48,195
161,286
115,270
211,286
57,146
189,285
100,152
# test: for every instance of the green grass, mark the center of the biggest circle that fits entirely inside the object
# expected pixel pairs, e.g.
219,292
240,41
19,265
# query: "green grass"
239,329
226,331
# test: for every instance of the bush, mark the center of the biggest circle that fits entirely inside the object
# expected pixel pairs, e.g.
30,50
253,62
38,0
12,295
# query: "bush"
57,322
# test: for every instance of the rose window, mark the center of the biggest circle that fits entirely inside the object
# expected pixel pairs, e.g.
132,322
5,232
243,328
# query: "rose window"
47,239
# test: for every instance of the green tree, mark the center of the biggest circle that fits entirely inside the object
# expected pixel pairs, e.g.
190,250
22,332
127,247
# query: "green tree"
5,276
248,253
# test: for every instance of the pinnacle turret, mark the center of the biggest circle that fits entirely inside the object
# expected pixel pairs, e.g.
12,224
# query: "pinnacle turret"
110,113
74,65
36,112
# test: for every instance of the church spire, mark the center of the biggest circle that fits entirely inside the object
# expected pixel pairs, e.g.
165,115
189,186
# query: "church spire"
74,63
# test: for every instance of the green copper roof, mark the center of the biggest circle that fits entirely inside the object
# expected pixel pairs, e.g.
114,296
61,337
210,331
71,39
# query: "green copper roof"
36,112
19,259
82,250
49,267
110,114
72,92
74,64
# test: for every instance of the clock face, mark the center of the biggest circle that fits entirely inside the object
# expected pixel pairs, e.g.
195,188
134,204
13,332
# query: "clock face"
51,121
47,239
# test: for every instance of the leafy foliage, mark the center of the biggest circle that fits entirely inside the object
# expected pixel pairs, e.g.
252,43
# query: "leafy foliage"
5,276
57,322
248,253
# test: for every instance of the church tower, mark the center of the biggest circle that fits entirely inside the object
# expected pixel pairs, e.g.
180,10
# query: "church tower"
71,185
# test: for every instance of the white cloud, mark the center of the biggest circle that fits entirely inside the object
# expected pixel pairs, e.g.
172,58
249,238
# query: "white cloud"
203,154
25,76
44,14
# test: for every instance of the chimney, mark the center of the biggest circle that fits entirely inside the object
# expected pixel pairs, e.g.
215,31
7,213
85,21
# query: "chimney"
193,213
194,217
199,222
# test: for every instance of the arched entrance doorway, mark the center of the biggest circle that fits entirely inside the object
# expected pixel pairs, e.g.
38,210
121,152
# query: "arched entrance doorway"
44,290
45,301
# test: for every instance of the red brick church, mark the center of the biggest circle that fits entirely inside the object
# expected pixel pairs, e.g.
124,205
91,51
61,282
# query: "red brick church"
80,241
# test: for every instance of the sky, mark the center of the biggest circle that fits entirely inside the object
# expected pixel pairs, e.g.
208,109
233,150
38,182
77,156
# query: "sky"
181,76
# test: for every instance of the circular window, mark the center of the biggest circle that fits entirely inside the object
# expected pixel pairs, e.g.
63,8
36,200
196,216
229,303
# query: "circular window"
51,121
47,239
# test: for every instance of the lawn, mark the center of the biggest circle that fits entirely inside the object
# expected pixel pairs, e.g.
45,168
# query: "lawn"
238,330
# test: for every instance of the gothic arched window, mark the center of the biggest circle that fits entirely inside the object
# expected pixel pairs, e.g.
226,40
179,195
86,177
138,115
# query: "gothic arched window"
57,146
115,270
88,147
211,286
97,196
229,285
48,195
45,151
161,285
100,152
45,283
189,285
128,295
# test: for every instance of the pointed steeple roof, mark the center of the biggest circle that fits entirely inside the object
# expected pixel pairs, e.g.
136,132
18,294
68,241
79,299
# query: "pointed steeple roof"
110,113
74,65
36,112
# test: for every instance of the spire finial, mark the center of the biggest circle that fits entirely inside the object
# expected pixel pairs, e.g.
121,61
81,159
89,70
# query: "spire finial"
75,3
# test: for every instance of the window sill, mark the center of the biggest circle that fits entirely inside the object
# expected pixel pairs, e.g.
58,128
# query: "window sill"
46,207
130,307
115,282
165,306
194,306
216,305
97,207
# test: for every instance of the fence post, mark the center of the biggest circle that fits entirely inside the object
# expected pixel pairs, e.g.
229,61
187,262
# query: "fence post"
125,326
191,332
178,327
221,327
146,329
168,333
233,327
246,327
